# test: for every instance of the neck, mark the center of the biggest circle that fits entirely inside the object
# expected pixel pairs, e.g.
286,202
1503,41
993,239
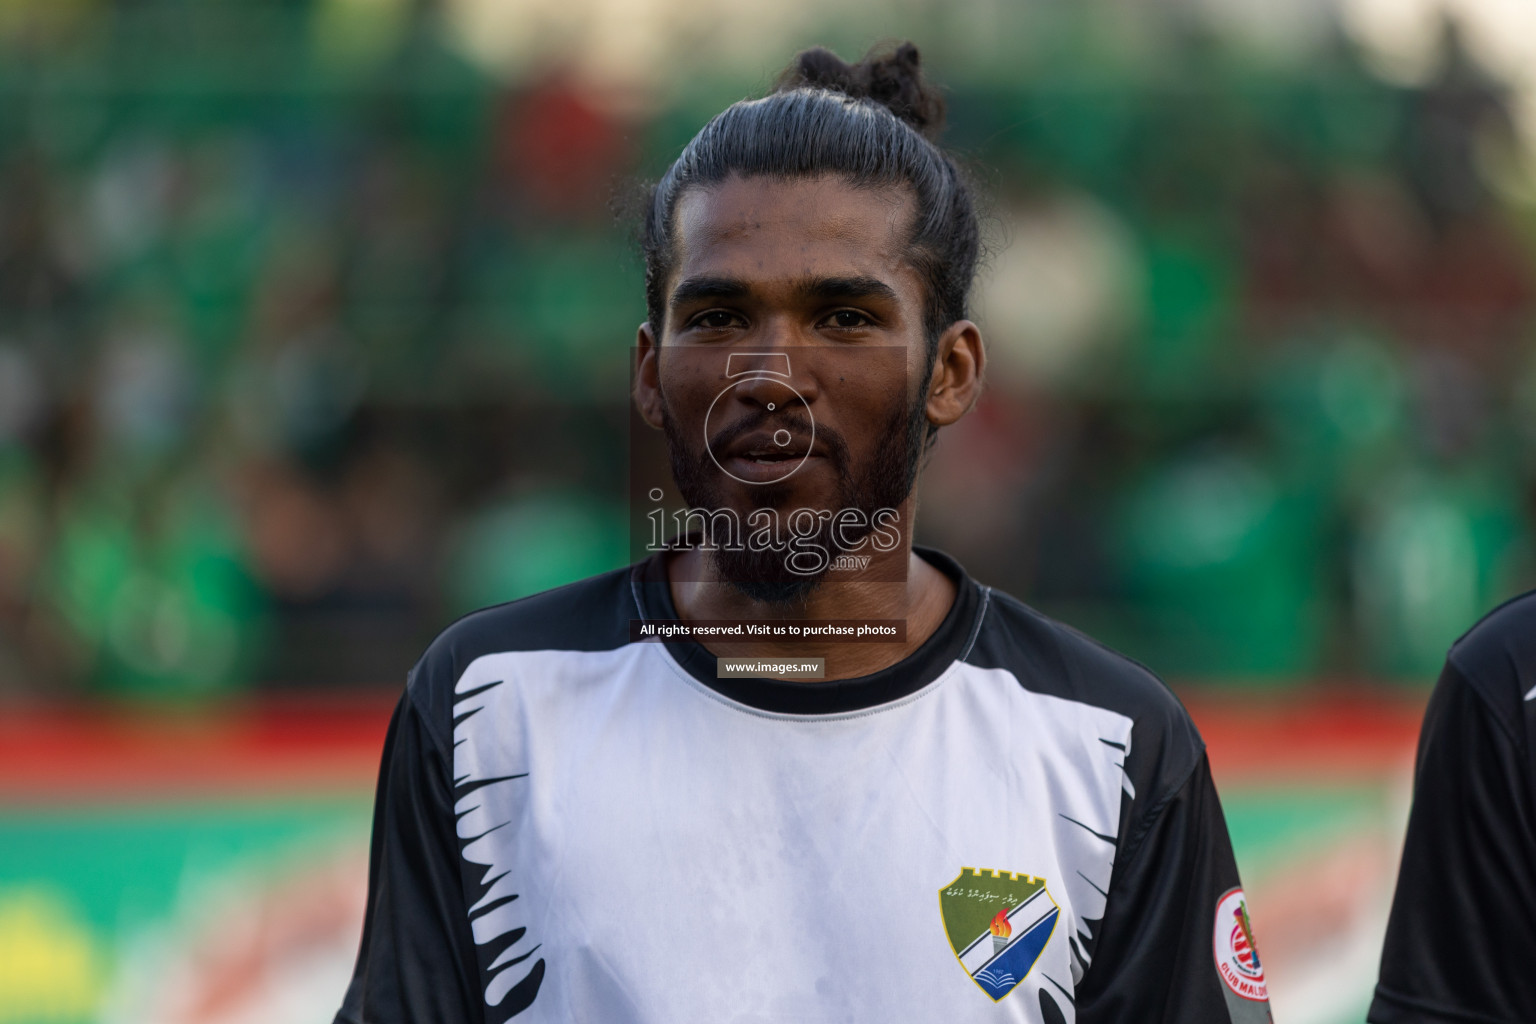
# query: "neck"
922,596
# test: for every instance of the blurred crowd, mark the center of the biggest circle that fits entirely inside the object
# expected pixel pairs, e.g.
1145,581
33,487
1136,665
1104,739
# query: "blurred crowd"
301,355
1269,339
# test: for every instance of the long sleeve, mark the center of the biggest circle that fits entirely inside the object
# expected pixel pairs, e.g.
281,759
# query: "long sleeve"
417,962
1175,944
1461,939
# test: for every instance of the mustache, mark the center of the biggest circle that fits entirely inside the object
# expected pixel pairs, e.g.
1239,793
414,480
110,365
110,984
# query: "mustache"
792,421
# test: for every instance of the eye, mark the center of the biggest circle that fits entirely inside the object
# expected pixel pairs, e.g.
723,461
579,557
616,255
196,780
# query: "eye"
714,320
847,318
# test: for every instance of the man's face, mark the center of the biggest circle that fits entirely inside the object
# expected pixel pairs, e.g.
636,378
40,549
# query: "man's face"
793,362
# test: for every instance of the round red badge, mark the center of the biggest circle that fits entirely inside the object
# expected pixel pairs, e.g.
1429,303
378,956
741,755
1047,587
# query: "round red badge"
1237,957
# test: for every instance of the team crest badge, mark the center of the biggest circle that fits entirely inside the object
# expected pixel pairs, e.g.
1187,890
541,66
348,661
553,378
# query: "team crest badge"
997,924
1237,958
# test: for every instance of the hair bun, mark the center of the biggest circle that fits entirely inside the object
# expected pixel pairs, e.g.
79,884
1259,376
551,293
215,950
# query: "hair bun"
891,78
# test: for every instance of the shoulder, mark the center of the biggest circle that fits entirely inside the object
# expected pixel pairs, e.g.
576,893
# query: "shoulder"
589,615
1050,657
1497,658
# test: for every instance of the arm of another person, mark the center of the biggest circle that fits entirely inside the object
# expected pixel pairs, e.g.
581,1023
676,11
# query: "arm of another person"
1461,940
1175,944
417,963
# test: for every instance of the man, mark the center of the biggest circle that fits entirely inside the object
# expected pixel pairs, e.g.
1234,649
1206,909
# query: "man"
1461,941
987,817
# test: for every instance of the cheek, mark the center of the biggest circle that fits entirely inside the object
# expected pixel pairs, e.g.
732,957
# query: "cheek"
917,368
866,397
873,423
687,390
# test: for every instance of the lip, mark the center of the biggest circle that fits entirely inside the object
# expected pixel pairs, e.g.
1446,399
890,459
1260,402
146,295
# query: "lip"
752,471
760,445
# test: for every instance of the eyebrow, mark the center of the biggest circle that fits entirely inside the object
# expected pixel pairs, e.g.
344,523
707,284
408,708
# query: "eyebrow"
697,289
826,288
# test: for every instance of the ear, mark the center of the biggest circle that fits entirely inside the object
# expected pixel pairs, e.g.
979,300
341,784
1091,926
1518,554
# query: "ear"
958,366
647,391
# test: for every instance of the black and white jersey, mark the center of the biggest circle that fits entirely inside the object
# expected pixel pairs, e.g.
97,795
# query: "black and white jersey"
1012,824
1461,941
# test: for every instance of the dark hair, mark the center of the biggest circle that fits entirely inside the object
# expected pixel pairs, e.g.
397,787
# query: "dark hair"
874,123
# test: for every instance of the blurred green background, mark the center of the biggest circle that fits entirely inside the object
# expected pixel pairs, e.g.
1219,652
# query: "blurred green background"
314,320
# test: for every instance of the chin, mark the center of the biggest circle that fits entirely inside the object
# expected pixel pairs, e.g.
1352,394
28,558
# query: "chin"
763,577
802,490
783,593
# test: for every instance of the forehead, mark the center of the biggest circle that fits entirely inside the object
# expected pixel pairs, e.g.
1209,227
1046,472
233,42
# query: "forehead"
766,228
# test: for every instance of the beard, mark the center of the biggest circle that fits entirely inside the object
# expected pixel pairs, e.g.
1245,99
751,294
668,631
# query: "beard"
885,481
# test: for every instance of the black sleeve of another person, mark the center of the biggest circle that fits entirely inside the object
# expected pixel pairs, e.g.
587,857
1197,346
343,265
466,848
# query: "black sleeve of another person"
1154,961
417,962
1461,940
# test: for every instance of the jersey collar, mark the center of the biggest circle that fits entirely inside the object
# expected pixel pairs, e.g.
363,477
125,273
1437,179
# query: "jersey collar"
948,644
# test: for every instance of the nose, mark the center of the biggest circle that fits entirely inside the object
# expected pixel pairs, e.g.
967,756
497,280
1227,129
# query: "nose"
775,363
767,379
